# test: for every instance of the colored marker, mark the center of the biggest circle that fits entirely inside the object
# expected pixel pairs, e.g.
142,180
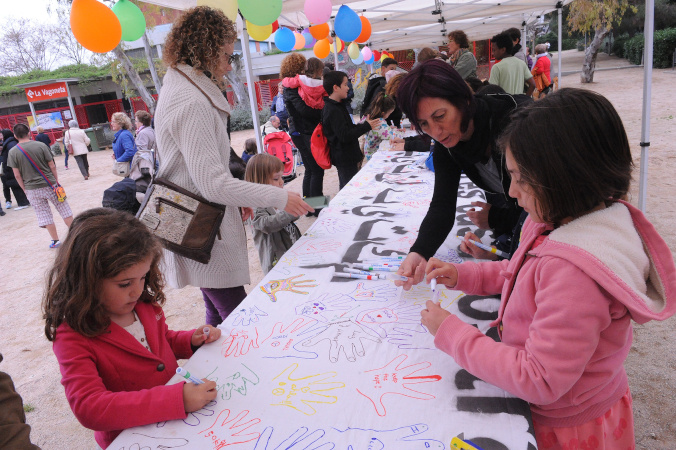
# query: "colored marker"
433,284
392,276
356,275
376,267
378,263
385,259
460,444
206,331
351,270
488,248
185,374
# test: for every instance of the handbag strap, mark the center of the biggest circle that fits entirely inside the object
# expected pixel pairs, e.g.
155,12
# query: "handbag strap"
36,166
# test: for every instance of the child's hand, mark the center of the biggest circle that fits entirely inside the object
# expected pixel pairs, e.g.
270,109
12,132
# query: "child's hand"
433,316
445,273
476,252
196,396
247,213
199,337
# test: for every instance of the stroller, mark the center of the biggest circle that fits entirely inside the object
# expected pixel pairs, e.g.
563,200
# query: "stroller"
279,144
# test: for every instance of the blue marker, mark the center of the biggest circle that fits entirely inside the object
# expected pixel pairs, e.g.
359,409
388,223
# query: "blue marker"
185,374
362,272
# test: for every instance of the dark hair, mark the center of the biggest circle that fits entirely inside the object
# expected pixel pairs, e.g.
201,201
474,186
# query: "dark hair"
583,161
503,40
197,39
475,84
143,117
236,165
388,61
250,146
314,68
101,243
21,130
333,78
6,134
490,89
513,33
459,37
380,105
435,78
426,54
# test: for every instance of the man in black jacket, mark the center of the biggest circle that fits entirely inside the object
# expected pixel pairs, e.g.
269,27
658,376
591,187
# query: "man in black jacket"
339,129
377,83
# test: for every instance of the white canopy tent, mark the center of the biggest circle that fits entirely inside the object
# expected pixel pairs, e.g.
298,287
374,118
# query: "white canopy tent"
404,24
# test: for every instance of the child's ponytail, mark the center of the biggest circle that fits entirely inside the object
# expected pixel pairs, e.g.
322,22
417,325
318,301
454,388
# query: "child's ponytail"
380,105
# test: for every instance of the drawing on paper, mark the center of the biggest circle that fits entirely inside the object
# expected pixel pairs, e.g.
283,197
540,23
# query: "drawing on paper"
230,429
274,287
304,393
345,337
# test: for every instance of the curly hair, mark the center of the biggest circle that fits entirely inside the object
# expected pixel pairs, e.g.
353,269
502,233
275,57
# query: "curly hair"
459,37
101,243
122,120
292,65
197,39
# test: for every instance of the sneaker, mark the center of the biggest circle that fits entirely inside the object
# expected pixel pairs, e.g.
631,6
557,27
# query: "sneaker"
55,244
21,207
8,205
2,213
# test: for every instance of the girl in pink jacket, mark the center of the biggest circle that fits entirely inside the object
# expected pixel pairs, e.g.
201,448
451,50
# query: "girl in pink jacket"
587,265
103,311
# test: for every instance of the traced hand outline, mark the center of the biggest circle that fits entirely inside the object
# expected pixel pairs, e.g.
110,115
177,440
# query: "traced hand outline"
284,339
299,439
160,442
313,246
231,427
239,342
300,393
375,292
343,335
402,438
390,316
325,306
274,287
246,316
334,225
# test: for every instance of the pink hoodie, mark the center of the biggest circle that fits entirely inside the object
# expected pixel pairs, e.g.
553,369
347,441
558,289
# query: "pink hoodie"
310,90
566,317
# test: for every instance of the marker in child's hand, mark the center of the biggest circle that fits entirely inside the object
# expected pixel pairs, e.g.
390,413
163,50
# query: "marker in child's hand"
185,374
435,292
433,284
205,330
392,276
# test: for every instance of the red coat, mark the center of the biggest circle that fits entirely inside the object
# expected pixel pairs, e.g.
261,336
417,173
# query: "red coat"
543,66
112,382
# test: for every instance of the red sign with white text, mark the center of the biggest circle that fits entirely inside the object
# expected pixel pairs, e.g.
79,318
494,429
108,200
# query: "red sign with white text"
46,92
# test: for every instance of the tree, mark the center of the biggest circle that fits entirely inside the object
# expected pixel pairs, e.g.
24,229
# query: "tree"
597,16
27,46
67,46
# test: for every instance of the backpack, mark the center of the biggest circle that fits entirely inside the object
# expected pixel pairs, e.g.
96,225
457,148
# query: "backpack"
122,196
320,148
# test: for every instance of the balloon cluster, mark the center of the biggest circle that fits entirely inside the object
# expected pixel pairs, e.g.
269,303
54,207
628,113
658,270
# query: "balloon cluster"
100,29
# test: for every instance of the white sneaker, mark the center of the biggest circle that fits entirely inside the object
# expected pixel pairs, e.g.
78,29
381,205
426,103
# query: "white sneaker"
8,205
21,207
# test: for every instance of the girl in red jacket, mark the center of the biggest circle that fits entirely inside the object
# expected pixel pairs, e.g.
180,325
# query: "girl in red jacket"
587,265
103,312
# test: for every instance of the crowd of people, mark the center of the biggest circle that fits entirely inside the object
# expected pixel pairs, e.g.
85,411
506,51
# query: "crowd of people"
555,200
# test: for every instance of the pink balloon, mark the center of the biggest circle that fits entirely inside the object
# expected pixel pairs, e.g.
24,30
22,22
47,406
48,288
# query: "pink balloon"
366,53
317,11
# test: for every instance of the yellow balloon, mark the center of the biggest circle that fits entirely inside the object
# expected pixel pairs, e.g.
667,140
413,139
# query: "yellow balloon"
258,33
353,50
229,7
300,41
338,45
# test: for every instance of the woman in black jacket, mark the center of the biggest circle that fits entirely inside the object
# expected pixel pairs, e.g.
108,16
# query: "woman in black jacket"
303,120
8,180
465,128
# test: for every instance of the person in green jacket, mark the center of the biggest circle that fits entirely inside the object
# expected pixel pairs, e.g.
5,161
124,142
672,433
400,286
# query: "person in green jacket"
461,57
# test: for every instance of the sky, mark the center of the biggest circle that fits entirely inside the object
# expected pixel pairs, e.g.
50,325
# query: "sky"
30,9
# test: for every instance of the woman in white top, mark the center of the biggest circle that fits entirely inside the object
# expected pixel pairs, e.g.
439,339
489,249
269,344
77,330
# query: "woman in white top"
76,142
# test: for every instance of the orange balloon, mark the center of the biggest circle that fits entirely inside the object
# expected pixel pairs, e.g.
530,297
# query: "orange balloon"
365,34
95,26
322,48
300,41
319,32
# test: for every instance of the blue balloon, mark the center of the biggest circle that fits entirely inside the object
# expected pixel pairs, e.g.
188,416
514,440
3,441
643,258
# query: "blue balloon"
309,39
370,61
347,24
285,40
358,60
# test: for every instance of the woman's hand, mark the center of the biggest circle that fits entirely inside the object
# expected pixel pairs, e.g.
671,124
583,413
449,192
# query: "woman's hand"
445,273
196,396
413,267
296,206
476,252
480,218
433,316
199,337
397,147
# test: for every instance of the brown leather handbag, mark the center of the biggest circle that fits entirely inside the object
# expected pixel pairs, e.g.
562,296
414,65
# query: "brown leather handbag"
185,223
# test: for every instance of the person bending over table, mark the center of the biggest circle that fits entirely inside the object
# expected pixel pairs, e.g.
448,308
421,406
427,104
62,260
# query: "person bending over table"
465,127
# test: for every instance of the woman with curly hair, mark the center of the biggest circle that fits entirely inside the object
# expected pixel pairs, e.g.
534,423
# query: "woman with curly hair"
193,145
305,114
461,58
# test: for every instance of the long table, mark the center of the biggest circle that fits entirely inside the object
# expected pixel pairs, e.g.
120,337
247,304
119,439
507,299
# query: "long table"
312,361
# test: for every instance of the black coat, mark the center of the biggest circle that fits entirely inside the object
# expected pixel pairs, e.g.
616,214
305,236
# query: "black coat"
304,119
375,85
342,134
42,137
7,145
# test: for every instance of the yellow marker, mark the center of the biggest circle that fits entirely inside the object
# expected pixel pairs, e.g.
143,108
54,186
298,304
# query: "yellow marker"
458,443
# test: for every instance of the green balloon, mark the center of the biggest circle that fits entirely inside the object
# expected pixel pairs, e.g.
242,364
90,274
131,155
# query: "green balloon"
261,12
131,19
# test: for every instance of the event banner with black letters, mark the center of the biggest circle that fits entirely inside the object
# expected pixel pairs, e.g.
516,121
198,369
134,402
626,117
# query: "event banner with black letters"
313,361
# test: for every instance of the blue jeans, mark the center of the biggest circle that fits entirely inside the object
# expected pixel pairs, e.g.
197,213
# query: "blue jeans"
66,158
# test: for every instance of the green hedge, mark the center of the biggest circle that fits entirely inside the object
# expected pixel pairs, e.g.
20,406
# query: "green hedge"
618,45
240,117
663,48
553,39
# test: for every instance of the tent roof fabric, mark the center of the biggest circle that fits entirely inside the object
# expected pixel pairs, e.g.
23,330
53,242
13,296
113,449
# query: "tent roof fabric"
404,24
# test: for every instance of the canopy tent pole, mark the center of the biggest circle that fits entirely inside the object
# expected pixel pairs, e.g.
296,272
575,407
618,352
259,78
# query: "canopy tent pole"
251,87
649,28
559,9
334,47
